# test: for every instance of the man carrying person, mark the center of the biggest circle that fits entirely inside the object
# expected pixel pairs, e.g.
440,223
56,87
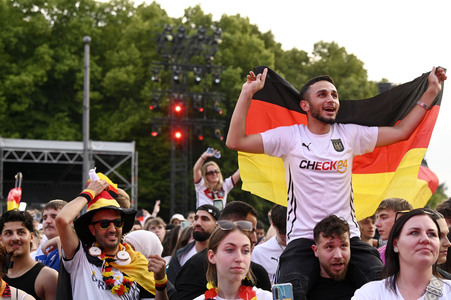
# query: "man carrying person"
332,248
315,192
24,273
385,219
204,225
49,252
99,265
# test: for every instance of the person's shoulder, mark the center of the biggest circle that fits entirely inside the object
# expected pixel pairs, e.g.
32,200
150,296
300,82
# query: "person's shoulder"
48,273
262,294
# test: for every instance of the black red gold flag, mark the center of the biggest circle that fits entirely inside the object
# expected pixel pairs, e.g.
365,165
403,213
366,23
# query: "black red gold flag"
391,171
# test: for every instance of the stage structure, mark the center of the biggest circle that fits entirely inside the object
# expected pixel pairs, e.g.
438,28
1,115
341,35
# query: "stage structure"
53,169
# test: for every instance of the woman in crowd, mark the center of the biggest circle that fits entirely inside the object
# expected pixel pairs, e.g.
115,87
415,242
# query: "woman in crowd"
208,180
409,272
229,258
157,226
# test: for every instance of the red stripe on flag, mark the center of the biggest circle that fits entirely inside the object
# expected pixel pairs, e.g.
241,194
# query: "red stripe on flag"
388,158
263,116
427,175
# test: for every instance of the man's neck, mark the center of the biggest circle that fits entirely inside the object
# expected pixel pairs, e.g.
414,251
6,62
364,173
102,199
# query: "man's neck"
318,127
21,265
201,245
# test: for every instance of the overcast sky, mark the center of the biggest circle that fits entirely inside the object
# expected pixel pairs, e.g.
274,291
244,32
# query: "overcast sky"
398,40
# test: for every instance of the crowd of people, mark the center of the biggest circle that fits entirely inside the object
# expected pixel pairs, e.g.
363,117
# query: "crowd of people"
96,247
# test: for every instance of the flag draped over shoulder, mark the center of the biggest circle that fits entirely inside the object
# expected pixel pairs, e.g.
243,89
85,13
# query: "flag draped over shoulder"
391,171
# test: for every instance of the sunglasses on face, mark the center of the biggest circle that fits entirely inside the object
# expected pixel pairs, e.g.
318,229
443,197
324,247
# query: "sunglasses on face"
212,172
105,224
229,225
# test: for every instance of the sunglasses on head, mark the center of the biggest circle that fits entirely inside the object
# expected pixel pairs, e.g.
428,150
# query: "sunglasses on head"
212,172
229,225
104,224
403,212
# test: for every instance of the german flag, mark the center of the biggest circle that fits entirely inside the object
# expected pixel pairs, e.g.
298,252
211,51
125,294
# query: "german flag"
391,171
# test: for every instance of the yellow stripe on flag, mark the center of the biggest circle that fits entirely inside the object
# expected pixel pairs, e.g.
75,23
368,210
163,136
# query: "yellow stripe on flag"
265,176
371,189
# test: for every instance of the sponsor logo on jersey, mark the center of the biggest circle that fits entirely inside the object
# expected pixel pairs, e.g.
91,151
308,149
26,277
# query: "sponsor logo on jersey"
340,166
338,145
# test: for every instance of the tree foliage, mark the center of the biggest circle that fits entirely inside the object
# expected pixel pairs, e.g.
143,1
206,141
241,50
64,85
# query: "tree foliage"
41,76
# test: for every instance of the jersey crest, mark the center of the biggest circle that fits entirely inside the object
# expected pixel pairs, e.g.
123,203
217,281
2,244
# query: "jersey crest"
338,145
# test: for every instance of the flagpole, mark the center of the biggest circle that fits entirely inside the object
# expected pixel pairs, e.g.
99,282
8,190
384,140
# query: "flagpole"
86,148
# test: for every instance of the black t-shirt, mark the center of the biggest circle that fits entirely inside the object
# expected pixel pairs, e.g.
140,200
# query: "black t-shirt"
192,282
326,288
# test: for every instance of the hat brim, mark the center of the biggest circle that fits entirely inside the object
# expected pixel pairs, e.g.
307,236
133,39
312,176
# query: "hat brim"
81,224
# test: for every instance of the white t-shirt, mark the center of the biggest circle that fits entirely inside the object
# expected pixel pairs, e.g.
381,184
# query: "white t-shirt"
267,254
204,196
87,281
261,295
318,171
376,290
184,258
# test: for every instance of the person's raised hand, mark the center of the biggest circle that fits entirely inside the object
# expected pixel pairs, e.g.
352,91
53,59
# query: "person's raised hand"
436,77
255,82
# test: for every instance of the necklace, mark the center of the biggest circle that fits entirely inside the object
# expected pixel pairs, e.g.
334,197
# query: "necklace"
246,292
108,275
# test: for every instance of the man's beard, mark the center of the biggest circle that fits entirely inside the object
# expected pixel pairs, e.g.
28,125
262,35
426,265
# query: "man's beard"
201,236
337,277
317,115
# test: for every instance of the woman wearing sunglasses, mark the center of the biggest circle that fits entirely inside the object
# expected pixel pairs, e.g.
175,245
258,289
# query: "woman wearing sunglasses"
208,180
229,258
410,272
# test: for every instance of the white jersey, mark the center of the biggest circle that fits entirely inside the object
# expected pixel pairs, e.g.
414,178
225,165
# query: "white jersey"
205,196
318,172
267,254
377,290
87,281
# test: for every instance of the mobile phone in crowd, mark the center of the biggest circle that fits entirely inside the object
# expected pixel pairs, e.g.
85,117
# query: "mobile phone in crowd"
210,151
218,203
185,224
282,291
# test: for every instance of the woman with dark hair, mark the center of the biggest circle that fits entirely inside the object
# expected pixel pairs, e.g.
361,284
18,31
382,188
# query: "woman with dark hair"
412,252
229,258
208,180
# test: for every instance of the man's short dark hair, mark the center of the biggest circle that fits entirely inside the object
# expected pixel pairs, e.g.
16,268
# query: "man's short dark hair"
237,210
305,88
394,204
445,208
279,218
56,204
329,226
17,216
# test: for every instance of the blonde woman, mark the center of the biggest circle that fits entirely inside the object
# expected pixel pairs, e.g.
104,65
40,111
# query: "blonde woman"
208,180
229,259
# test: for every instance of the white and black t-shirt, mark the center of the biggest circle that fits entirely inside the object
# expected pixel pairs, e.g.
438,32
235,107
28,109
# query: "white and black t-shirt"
318,172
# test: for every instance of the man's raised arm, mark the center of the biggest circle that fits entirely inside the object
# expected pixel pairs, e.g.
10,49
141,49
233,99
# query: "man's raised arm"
404,129
237,138
65,218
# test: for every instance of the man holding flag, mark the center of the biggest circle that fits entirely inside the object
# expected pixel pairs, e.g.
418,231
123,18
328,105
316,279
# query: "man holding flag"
318,166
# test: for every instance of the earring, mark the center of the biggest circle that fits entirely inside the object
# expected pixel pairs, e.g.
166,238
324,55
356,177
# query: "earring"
396,250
